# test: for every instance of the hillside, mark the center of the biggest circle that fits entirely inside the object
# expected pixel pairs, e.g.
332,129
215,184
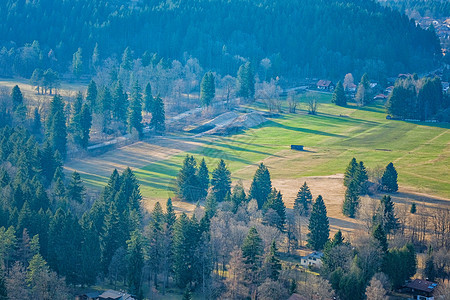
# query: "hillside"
306,38
421,8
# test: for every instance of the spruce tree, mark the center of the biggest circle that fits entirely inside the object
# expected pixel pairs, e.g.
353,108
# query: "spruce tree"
109,239
275,202
246,81
413,208
380,235
3,290
17,97
158,121
75,189
91,95
252,249
37,124
362,178
56,126
135,259
303,200
339,97
350,172
203,178
187,181
238,196
272,262
148,99
127,59
86,123
351,201
386,215
261,185
389,179
221,181
319,229
135,110
105,102
207,89
77,63
120,103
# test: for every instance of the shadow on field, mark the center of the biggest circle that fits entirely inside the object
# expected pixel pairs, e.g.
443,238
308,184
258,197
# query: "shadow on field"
304,130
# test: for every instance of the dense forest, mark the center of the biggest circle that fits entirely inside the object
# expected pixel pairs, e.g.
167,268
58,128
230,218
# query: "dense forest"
421,8
307,38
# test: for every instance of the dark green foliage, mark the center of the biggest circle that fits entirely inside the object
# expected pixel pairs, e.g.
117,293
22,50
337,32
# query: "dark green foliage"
416,98
17,97
135,110
261,185
126,59
77,63
238,196
362,178
339,97
56,126
135,258
389,179
252,249
272,263
318,226
187,180
246,81
221,181
3,291
275,202
203,179
105,102
120,103
350,171
187,295
158,121
379,234
91,95
413,208
207,89
302,203
86,123
148,99
386,215
430,270
400,265
75,189
351,201
37,124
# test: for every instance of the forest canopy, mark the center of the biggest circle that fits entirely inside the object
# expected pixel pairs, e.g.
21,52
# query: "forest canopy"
301,38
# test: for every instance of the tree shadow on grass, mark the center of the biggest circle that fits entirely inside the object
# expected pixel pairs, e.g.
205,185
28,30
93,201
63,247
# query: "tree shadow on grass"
304,130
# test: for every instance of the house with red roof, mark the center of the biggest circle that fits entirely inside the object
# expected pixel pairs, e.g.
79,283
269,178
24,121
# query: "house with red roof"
325,85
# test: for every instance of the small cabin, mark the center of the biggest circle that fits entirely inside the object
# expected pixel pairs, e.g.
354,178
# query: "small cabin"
421,289
297,147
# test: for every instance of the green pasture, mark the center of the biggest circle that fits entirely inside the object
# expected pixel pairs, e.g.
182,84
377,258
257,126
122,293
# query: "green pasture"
420,151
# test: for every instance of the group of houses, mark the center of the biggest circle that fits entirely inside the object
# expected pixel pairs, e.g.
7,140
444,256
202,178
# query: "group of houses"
106,295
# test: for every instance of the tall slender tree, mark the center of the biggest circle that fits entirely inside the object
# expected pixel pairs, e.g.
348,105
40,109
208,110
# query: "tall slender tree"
261,185
221,181
302,203
319,228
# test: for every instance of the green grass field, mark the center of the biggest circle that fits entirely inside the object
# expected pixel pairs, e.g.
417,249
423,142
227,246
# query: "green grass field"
420,151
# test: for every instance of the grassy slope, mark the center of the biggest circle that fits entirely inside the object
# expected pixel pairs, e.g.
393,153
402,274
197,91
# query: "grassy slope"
421,152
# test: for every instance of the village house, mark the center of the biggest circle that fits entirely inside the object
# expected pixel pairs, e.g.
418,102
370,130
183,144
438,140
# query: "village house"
380,97
313,259
107,295
421,289
325,85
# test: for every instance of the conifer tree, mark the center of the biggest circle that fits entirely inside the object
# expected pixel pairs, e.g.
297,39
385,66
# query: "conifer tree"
207,89
413,208
148,98
135,258
75,120
261,186
252,249
319,229
120,103
135,110
380,235
170,216
339,97
351,201
17,97
86,123
126,59
246,81
203,178
158,121
75,189
221,181
109,239
350,172
105,102
275,202
37,124
389,179
91,95
238,196
386,215
362,178
272,263
3,290
56,126
303,200
77,63
187,181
